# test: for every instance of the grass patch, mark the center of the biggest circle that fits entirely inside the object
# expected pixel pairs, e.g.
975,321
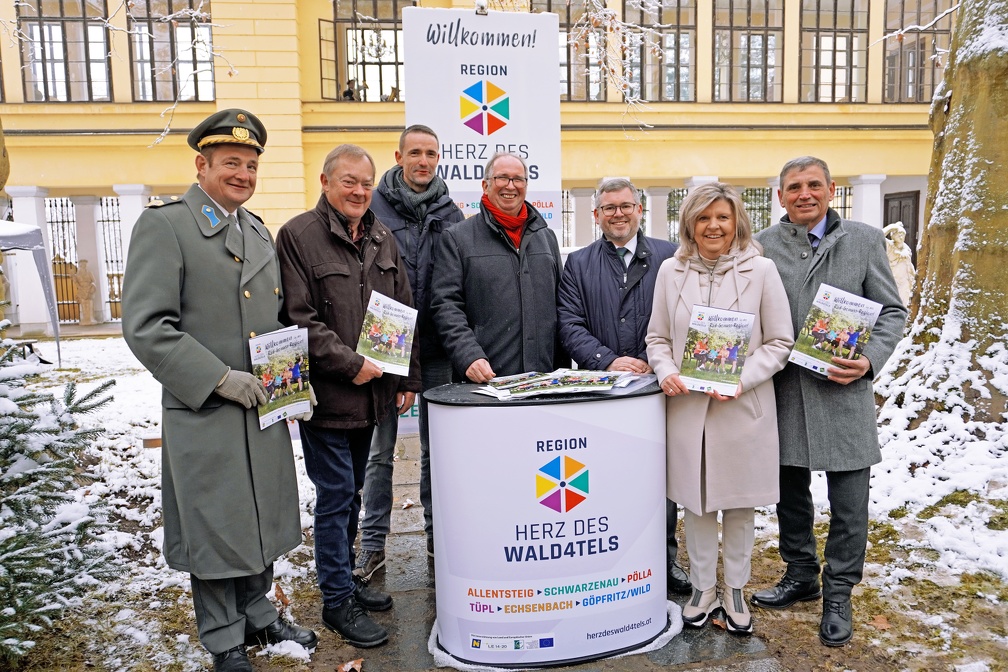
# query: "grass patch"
960,498
883,539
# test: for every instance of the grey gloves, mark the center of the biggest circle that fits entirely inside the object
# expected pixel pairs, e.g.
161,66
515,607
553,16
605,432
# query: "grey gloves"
311,409
243,388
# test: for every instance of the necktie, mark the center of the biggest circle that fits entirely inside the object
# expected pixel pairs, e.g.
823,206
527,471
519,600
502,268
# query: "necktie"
813,240
624,254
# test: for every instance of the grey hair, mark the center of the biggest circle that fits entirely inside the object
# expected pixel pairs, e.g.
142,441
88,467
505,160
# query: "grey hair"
801,163
699,200
345,150
610,184
487,172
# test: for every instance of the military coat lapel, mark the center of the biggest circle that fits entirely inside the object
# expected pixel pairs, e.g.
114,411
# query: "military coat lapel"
258,250
211,221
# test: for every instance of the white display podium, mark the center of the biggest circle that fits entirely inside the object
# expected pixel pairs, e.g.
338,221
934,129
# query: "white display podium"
549,525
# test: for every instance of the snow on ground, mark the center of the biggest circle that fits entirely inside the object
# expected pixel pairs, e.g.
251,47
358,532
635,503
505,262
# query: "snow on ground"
918,469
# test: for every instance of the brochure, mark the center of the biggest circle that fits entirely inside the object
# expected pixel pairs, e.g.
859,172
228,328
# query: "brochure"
280,361
386,337
838,325
716,344
561,381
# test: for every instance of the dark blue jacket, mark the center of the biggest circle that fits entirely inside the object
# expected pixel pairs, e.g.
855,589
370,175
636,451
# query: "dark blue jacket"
418,244
601,316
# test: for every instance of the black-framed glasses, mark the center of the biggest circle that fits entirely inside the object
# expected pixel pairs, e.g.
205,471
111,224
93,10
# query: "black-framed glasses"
609,209
502,181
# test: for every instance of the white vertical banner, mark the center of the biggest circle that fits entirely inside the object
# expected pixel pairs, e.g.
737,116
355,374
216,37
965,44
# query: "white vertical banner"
487,84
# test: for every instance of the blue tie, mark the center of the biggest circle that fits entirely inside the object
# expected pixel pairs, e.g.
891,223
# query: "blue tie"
813,240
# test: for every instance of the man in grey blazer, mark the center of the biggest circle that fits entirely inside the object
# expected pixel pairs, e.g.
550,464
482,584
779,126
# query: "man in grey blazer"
827,424
203,277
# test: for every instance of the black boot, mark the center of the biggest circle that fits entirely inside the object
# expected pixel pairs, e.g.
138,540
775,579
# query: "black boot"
351,621
232,660
836,628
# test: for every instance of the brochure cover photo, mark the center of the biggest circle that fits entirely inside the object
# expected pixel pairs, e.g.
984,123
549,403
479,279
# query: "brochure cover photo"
716,344
386,337
837,325
280,361
561,381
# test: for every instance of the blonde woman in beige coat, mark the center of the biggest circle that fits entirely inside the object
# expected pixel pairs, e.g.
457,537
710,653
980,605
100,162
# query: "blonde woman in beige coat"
723,451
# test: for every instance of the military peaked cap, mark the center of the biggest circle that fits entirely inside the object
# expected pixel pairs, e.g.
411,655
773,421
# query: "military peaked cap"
232,127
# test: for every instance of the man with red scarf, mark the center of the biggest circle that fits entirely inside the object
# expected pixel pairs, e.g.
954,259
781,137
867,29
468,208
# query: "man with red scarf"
494,292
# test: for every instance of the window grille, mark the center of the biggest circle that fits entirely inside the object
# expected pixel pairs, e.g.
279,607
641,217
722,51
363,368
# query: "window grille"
834,51
582,50
171,50
758,203
367,40
61,217
675,199
65,54
915,60
661,57
110,226
748,50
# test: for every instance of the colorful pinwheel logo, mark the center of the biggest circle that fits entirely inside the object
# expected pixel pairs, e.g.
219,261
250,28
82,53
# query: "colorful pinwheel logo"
484,107
562,484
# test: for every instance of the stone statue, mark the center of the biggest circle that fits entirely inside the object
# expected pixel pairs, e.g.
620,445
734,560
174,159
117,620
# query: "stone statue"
899,260
84,284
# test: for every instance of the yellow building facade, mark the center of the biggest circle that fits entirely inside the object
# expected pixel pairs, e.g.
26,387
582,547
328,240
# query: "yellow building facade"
96,105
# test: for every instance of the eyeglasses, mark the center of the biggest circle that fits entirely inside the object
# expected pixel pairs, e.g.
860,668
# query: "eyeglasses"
626,208
350,183
502,181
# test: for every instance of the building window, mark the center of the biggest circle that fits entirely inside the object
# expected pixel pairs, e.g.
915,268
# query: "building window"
748,50
915,60
171,50
834,51
582,51
328,72
65,51
661,56
361,52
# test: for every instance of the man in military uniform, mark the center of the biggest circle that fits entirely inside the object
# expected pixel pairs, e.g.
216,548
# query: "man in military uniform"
202,278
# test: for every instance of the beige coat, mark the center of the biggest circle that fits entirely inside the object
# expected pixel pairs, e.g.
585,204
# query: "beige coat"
722,454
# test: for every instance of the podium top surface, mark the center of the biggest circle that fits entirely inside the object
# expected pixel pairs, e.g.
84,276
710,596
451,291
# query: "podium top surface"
464,394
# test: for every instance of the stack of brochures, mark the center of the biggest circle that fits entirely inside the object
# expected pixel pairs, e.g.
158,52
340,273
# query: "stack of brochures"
563,381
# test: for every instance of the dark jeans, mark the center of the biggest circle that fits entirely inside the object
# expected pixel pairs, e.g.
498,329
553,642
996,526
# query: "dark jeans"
378,480
335,460
848,529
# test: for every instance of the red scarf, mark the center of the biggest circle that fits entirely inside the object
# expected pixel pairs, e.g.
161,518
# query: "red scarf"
513,225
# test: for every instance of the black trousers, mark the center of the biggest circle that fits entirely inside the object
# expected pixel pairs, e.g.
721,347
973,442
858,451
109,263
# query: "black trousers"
671,520
848,528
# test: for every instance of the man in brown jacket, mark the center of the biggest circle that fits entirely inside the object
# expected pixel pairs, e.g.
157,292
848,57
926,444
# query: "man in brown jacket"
331,258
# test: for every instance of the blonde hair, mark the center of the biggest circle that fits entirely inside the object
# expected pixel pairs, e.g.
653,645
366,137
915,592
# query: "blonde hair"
699,200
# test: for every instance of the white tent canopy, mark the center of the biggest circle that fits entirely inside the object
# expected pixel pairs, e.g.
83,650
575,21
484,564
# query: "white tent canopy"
14,236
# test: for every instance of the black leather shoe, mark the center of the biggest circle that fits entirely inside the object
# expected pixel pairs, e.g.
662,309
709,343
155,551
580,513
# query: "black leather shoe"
371,599
282,631
786,593
351,622
678,581
232,660
835,628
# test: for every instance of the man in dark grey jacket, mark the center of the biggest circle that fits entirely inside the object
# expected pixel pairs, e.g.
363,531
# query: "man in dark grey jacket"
827,425
413,202
495,286
605,298
331,258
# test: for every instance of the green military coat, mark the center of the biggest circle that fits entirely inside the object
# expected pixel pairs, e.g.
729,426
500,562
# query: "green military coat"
195,289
